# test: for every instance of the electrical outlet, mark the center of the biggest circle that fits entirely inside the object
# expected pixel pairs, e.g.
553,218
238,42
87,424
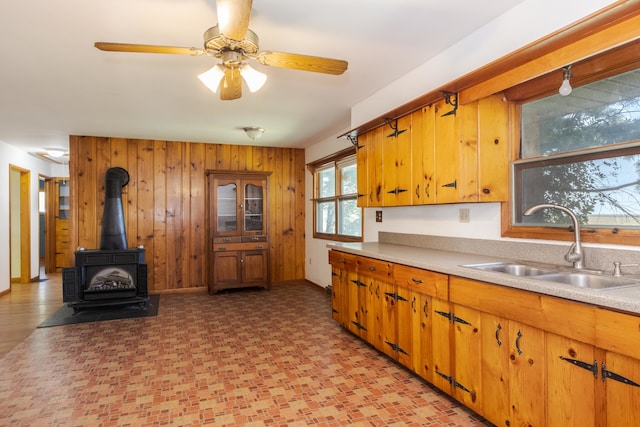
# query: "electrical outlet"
378,216
464,215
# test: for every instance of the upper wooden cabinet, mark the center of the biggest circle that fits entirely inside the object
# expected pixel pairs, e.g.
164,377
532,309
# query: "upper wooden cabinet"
423,156
493,149
437,154
370,169
397,162
456,142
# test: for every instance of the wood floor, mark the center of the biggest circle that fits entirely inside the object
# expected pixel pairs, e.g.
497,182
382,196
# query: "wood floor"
25,307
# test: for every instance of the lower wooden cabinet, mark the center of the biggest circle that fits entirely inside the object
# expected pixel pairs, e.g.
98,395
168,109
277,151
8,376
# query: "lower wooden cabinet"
515,357
239,268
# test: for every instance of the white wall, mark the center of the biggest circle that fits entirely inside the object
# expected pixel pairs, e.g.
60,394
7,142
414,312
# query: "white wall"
526,23
10,155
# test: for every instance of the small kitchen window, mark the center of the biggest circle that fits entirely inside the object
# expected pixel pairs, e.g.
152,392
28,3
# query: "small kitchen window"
336,214
582,151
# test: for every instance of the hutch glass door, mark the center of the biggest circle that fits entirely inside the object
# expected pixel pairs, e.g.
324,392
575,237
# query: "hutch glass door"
226,199
253,207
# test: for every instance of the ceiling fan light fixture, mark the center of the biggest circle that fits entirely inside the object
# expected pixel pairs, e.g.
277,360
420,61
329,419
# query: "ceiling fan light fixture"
253,132
55,152
212,77
254,78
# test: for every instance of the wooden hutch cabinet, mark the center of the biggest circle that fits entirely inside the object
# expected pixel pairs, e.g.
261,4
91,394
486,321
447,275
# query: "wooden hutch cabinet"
62,234
238,230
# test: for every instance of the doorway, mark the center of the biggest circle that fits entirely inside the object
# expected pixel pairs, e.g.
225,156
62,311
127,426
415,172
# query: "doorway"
47,221
20,224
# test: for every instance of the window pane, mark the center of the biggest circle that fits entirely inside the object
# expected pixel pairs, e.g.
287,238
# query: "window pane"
600,113
326,217
350,218
602,192
349,180
327,182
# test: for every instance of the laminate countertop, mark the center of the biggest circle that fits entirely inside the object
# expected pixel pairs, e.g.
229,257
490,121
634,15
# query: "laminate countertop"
453,263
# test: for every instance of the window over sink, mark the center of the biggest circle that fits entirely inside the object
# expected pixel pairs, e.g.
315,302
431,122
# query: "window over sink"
580,151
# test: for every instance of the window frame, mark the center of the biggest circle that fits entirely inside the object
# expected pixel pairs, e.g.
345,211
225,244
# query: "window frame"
609,63
335,160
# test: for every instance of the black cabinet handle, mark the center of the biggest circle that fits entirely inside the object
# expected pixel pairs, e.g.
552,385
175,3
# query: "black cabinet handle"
518,342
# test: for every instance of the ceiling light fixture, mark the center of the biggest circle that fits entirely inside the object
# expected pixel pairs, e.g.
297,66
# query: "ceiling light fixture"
253,132
212,77
55,152
254,78
565,88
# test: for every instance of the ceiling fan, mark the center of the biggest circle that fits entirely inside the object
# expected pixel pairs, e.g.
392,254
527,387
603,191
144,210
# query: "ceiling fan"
233,42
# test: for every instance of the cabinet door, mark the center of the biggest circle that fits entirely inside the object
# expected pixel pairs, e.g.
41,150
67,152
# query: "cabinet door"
254,267
253,207
495,369
407,308
422,335
342,265
397,162
356,322
362,169
375,168
422,156
338,294
389,320
226,216
527,375
493,149
375,313
467,369
622,382
366,309
226,268
572,372
441,331
456,153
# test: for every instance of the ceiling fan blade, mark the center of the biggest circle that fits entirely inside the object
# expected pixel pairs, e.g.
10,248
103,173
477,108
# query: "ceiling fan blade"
147,48
302,62
233,18
231,84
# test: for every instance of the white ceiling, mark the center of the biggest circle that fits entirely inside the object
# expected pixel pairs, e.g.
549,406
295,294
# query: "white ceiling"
55,83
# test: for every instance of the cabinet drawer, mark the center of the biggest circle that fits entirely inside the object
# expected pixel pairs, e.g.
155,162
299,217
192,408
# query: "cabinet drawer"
424,281
342,260
375,268
223,247
230,239
618,332
254,238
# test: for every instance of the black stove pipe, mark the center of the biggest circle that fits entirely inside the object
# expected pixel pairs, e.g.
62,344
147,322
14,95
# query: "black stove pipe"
113,232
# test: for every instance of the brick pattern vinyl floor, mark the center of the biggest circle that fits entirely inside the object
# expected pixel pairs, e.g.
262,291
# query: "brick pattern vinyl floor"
243,358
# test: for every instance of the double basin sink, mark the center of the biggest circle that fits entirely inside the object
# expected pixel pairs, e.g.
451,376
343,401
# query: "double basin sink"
557,274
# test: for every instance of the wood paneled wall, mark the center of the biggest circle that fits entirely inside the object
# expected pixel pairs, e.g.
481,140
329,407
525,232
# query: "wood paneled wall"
165,203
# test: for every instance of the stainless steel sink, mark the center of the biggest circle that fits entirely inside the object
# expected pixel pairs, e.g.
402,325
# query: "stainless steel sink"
590,281
557,275
512,268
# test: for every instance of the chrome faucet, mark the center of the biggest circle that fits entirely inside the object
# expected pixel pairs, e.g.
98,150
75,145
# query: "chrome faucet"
575,254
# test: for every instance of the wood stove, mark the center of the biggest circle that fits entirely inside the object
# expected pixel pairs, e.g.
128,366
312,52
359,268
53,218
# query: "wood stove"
113,274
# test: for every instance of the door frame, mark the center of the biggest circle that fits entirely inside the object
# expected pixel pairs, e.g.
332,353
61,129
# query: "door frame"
24,222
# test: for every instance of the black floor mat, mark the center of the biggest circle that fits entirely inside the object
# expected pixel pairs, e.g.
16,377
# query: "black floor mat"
66,315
